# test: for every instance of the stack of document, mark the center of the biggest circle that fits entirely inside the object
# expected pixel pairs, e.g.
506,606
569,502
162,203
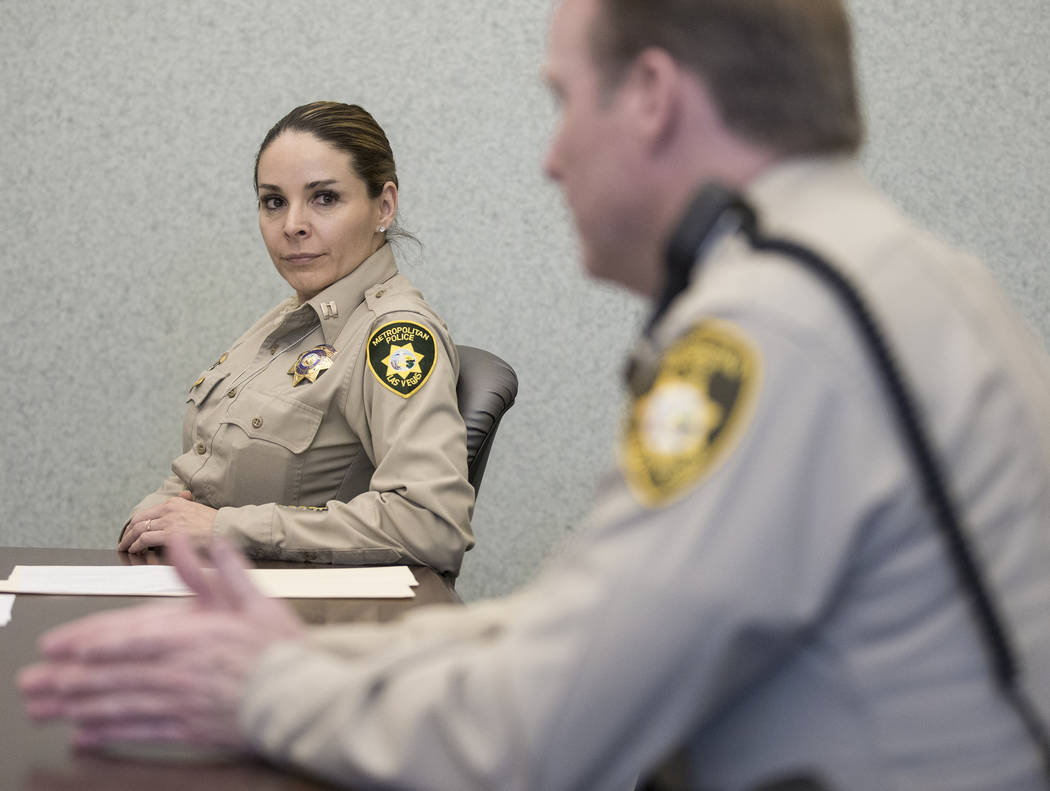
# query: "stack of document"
379,582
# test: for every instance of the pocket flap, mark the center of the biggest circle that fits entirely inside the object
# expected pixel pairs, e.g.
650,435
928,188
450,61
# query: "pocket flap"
285,421
201,389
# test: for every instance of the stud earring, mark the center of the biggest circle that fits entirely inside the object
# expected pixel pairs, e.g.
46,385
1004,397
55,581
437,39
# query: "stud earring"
381,228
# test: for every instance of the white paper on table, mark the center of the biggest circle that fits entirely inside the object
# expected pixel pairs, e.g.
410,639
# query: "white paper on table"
378,582
374,582
6,601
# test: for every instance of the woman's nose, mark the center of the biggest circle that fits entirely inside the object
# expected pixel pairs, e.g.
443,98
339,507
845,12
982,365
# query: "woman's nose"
295,223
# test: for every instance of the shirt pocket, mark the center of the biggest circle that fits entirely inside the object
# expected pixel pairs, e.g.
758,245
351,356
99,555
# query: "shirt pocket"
203,387
283,421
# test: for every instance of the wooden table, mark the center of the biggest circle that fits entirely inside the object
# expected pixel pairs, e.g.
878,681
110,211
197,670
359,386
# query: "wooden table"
38,757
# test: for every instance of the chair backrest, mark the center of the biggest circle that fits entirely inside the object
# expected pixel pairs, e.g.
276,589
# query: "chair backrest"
486,389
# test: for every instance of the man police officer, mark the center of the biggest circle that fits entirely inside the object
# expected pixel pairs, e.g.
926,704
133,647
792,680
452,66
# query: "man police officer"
762,591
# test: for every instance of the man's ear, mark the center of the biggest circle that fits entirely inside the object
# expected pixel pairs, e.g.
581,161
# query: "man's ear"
655,83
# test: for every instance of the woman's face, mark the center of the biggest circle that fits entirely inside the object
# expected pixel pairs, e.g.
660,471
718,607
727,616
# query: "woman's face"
315,215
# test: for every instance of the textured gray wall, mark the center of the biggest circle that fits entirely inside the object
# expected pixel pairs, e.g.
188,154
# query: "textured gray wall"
130,258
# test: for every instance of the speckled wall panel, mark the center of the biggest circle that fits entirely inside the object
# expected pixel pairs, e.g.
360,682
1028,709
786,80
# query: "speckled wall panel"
130,257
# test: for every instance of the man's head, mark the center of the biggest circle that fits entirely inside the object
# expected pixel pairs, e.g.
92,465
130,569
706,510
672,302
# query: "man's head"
780,71
660,96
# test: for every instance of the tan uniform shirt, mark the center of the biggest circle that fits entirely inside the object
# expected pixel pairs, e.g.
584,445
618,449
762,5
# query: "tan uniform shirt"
362,465
760,582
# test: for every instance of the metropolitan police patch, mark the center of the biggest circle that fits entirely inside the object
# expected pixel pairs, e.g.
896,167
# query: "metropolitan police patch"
691,415
402,355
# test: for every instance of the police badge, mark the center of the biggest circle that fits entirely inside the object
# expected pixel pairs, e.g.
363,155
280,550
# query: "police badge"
312,363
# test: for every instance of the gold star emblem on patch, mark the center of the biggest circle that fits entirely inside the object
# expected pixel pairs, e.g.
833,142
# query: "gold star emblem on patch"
402,361
311,364
677,418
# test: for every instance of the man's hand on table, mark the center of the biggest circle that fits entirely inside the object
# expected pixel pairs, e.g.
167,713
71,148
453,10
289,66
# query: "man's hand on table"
172,671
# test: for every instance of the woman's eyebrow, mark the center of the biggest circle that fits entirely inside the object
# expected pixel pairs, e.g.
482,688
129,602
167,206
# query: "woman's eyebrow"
310,186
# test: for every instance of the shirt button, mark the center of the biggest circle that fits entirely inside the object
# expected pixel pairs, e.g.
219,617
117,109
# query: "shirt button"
273,349
201,448
256,422
380,293
232,392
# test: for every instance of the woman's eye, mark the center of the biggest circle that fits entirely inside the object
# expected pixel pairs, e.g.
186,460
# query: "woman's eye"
271,202
326,198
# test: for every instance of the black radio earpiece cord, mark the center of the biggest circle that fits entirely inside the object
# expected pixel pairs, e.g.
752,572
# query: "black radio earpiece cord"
717,211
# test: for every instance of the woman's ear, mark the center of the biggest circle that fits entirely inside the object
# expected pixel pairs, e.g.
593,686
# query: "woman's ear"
387,204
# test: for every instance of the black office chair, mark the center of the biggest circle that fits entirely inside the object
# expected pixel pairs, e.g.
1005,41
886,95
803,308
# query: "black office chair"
485,390
803,782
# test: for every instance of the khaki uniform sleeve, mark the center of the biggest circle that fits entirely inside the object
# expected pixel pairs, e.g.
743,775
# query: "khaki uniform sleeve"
644,627
418,504
434,625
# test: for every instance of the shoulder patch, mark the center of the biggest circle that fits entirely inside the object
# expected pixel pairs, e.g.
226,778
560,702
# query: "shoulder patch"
692,415
402,355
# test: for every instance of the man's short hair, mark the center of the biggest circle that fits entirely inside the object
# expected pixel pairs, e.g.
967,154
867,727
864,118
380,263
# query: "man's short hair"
780,71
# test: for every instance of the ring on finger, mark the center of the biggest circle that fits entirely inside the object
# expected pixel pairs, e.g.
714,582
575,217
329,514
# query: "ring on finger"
149,525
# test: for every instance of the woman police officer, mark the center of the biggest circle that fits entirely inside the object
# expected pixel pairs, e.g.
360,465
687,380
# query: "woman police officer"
329,431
